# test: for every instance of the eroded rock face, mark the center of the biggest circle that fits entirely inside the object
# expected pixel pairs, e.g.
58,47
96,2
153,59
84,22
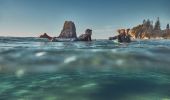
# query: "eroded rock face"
45,35
142,32
68,31
86,36
146,31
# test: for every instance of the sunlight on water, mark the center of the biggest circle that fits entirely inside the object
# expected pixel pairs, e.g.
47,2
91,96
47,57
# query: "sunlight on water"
39,54
70,59
20,72
90,85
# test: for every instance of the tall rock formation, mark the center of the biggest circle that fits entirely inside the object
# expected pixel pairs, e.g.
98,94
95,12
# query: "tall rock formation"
68,31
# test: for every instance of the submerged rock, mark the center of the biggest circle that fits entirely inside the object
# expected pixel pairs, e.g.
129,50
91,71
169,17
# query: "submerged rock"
68,31
45,35
86,36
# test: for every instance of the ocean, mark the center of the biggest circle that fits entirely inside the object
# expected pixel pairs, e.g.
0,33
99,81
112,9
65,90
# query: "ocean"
36,69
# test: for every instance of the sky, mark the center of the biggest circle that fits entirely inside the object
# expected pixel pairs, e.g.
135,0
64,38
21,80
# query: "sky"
30,18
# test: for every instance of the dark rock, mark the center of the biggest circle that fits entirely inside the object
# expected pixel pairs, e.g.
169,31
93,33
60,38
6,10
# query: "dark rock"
123,36
68,31
86,36
45,35
113,38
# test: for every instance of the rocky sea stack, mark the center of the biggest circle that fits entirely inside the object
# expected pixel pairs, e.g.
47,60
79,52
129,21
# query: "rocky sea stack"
68,31
68,34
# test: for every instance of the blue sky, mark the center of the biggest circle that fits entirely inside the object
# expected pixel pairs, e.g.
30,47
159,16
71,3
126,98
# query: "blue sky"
33,17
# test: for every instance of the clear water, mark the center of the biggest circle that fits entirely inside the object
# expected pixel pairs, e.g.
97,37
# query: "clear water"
35,69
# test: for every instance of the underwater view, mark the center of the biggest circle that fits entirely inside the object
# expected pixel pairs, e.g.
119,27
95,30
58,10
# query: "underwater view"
35,69
84,50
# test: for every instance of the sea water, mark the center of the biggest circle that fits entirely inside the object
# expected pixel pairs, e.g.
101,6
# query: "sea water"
36,69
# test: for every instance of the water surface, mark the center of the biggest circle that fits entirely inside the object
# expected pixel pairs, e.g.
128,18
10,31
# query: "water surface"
35,69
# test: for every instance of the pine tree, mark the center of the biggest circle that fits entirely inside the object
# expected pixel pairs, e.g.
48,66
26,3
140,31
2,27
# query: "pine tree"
157,25
144,21
148,23
151,26
167,26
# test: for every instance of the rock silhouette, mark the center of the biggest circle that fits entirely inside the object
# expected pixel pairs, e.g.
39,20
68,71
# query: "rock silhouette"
68,31
45,35
68,34
123,36
86,36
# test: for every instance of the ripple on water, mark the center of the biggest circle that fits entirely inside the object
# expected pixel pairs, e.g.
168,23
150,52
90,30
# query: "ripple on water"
21,92
5,86
90,85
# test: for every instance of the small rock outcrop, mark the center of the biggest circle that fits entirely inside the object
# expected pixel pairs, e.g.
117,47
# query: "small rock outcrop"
86,36
45,35
123,36
68,31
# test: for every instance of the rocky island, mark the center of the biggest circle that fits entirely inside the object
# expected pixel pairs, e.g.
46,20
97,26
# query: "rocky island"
148,30
45,35
68,33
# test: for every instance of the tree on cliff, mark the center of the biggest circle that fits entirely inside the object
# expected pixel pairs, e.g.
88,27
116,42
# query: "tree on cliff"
167,26
157,25
144,21
147,25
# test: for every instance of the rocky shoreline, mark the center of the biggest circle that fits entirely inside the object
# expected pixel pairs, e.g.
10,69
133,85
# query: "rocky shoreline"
146,30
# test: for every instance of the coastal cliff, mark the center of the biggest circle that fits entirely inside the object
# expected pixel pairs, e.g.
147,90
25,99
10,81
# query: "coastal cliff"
147,30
